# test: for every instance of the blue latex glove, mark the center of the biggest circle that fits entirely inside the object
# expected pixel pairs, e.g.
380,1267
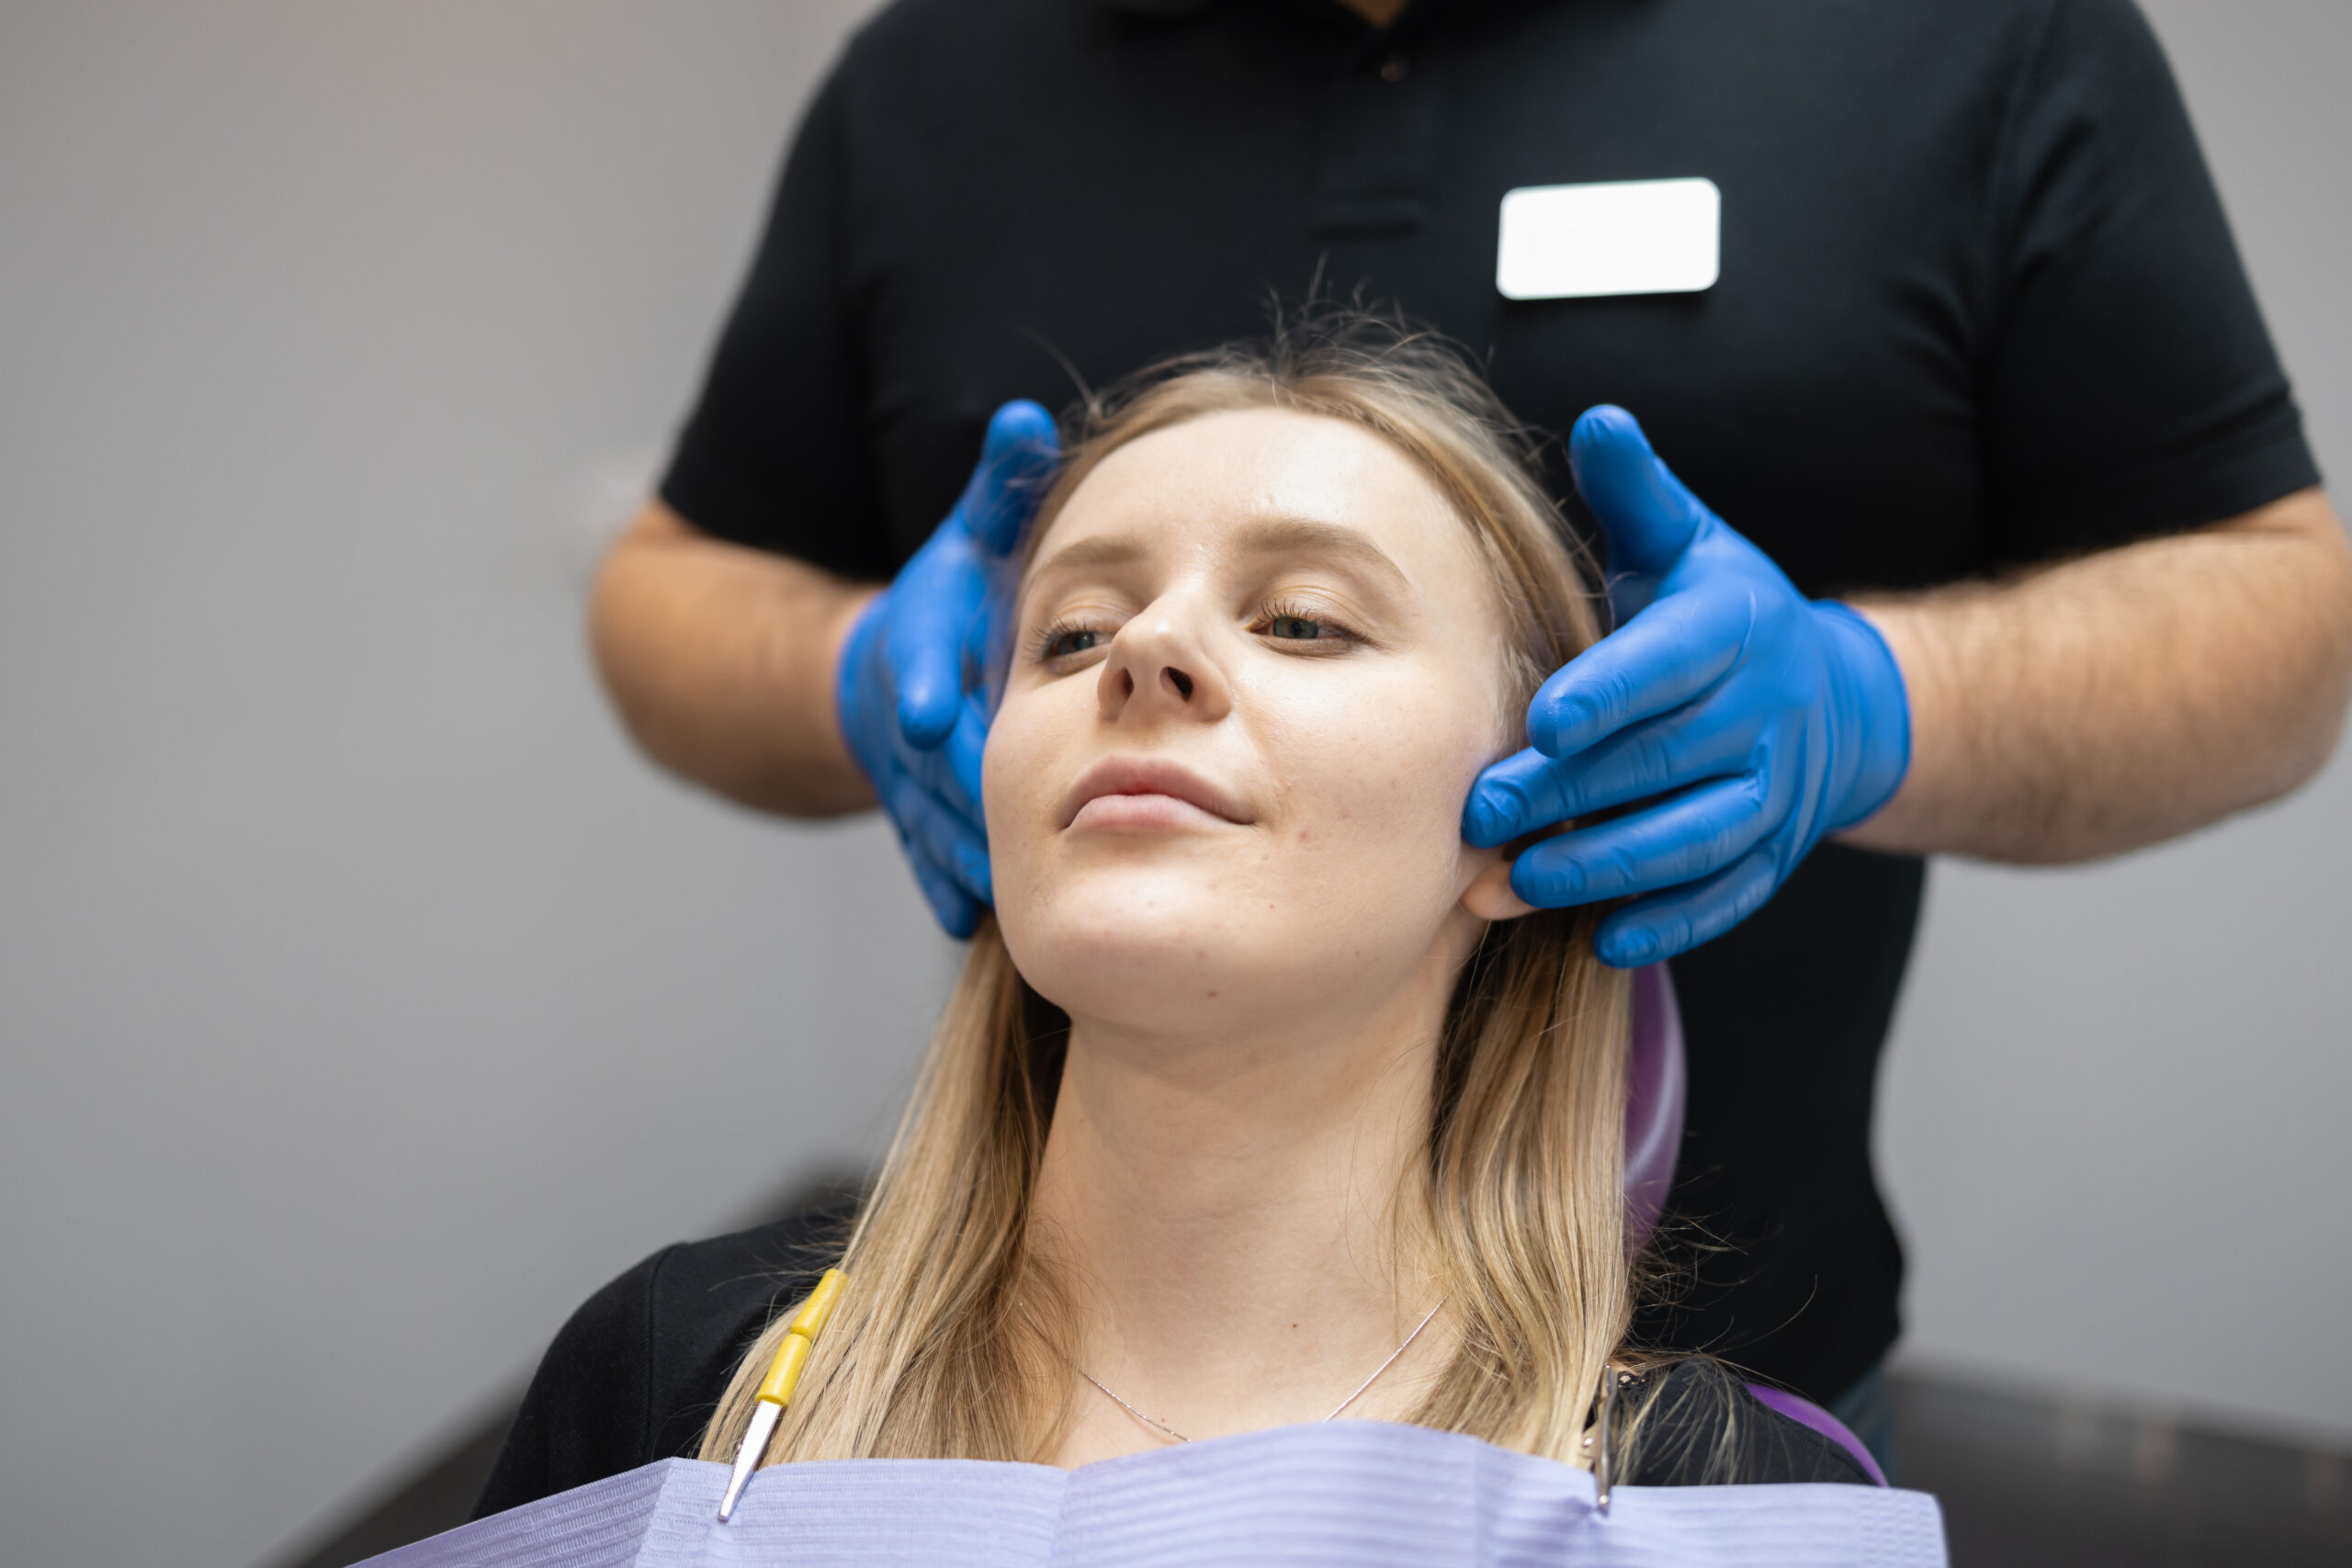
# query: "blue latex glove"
909,687
1761,718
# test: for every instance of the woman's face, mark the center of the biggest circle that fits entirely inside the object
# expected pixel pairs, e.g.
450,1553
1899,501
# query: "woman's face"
1258,665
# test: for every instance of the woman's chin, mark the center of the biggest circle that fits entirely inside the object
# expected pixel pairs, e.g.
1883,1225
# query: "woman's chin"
1189,941
1158,961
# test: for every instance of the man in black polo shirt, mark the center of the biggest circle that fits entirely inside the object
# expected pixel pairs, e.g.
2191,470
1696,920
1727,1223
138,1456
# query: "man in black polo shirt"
1978,357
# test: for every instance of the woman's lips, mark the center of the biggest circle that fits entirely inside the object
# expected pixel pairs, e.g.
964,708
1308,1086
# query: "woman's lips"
1144,812
1147,792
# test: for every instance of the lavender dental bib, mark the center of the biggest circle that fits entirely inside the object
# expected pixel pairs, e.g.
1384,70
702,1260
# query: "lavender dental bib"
1360,1493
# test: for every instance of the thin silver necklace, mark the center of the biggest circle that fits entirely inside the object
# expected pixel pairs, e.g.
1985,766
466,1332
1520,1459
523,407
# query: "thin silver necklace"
1166,1430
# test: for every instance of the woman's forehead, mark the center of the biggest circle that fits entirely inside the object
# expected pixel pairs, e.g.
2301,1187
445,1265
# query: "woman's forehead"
1258,482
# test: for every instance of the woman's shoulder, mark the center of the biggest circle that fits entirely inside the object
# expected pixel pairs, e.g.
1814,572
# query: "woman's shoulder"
1694,1422
635,1373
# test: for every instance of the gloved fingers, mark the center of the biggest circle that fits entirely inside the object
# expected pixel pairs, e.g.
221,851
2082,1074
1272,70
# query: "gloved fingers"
933,776
954,908
1695,834
938,834
1648,516
1520,794
1691,743
925,612
938,614
965,754
1676,922
988,641
1658,660
1018,456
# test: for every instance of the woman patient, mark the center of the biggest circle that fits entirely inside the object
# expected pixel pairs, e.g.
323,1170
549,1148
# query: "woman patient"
1262,1102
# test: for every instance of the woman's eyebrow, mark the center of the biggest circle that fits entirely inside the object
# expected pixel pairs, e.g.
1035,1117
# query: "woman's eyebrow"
1307,535
1262,537
1099,551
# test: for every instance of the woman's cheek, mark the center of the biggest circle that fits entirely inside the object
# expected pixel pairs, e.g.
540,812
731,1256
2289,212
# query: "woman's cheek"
1392,766
1010,776
1455,742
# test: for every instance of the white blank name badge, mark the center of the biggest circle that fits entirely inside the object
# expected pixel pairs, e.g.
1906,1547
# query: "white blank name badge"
1626,237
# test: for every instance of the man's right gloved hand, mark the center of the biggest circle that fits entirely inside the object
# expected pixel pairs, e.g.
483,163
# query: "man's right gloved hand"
908,687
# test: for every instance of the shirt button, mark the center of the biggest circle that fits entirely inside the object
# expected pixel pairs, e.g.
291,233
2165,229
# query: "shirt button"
1393,68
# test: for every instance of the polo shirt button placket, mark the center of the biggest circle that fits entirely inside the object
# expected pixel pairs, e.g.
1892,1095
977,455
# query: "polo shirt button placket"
1379,136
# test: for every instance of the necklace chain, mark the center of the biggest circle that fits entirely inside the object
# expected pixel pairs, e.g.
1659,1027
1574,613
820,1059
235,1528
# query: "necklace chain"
1166,1430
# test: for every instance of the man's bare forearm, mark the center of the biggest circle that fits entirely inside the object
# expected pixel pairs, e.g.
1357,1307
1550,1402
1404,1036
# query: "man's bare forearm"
2113,701
720,660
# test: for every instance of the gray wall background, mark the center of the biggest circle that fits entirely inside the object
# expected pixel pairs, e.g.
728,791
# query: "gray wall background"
365,1002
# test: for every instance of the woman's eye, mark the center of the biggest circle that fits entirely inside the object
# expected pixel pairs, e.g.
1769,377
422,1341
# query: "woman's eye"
1068,640
1298,623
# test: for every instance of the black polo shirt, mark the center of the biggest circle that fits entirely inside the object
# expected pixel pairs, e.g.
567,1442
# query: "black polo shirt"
1977,307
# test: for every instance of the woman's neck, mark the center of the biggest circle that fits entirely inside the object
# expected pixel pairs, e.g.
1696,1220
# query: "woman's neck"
1238,1223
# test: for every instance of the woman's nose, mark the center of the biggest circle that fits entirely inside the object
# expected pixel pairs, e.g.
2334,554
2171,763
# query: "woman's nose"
1160,664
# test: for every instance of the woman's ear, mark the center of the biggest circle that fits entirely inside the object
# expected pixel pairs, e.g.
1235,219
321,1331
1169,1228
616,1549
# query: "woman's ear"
1489,896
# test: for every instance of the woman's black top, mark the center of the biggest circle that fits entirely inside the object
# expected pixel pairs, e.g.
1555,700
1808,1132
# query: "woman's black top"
636,1374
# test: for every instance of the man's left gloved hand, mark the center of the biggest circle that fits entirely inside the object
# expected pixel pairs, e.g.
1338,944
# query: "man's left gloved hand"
1763,720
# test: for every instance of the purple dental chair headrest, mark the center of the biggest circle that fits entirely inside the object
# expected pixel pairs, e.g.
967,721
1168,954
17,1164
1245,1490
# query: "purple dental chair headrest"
1653,1094
1654,1084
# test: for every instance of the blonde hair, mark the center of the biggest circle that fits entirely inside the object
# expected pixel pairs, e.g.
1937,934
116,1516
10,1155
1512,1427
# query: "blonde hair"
945,1344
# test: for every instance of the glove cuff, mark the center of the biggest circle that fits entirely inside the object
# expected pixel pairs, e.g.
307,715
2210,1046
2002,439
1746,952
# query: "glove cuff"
1875,708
